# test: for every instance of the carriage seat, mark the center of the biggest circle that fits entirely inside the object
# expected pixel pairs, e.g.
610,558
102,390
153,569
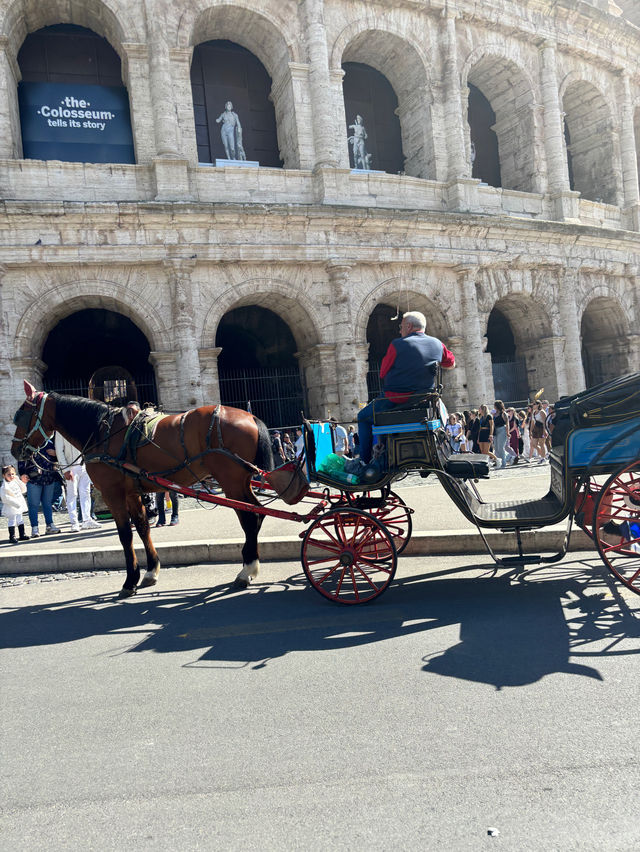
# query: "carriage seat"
467,466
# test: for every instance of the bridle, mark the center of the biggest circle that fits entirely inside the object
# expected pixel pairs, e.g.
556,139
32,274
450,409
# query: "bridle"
22,420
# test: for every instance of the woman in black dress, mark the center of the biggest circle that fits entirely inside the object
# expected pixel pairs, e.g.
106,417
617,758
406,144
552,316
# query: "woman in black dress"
486,432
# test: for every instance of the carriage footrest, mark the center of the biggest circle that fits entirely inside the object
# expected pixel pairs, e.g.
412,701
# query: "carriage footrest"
468,466
529,559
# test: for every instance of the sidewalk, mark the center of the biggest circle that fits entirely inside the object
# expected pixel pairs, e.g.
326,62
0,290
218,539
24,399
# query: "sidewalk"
212,533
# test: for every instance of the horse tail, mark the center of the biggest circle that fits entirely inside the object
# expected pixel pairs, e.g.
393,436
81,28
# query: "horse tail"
264,454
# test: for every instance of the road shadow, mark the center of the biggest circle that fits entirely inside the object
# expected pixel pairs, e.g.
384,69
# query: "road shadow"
514,628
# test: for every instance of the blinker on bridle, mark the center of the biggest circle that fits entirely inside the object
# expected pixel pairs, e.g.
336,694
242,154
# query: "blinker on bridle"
22,419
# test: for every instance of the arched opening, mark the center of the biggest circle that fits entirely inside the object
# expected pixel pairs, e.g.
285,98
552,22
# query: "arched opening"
73,105
369,95
224,72
604,330
485,158
381,330
590,143
508,368
88,340
257,366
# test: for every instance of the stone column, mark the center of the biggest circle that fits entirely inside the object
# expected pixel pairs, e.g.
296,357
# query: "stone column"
453,392
164,364
292,104
180,67
184,306
471,343
209,374
348,374
135,73
325,131
551,366
633,349
570,321
172,178
319,366
10,142
565,202
629,157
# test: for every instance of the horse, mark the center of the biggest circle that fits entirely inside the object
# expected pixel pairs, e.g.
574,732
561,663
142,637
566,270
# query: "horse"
211,442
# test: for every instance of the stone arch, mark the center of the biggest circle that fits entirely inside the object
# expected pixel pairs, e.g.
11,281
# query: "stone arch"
44,312
604,329
531,364
400,291
260,32
512,95
589,135
405,66
276,295
105,17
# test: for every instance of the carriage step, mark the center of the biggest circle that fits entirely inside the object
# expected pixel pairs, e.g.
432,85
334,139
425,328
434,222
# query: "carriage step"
531,559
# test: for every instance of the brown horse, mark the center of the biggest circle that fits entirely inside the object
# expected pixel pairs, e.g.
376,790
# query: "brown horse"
226,444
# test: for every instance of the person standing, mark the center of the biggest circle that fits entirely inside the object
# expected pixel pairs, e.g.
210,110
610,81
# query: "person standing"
514,434
77,484
276,447
538,432
160,504
12,493
407,368
340,439
41,474
288,448
485,433
500,435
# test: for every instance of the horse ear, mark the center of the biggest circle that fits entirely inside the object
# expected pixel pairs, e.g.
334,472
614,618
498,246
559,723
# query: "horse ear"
29,390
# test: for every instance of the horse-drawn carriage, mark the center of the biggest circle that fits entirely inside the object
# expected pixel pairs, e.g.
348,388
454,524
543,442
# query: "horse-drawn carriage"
355,532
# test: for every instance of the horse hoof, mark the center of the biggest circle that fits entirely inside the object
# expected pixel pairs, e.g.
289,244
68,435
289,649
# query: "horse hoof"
126,593
240,583
147,581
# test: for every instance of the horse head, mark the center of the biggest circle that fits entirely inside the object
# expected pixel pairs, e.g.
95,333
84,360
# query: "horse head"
33,422
289,482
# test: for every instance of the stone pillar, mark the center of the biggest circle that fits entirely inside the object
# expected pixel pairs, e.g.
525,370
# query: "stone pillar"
180,68
209,374
551,370
184,307
172,178
135,73
453,391
633,349
164,364
570,321
346,355
318,364
629,157
325,131
565,202
471,344
10,141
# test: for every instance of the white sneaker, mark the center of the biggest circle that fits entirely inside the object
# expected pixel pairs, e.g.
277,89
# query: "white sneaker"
91,525
75,527
35,532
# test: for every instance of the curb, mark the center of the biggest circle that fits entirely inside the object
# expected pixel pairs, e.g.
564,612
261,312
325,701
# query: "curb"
283,548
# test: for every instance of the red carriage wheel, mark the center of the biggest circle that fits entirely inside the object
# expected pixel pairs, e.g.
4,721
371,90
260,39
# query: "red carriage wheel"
348,556
396,516
616,525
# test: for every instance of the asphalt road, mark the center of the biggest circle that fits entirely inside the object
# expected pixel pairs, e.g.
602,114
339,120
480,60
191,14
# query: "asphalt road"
194,718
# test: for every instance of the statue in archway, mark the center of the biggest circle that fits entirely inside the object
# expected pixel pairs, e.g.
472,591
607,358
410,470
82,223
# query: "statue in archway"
361,159
231,133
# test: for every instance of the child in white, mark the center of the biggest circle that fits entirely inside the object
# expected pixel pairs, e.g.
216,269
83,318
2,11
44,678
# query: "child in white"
77,484
12,493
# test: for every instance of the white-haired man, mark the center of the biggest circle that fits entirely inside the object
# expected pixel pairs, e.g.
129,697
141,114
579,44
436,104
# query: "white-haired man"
406,369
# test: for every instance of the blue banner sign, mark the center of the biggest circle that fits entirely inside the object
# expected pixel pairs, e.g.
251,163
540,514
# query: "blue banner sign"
74,123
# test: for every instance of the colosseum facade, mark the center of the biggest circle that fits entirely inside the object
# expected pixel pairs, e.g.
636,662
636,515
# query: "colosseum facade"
499,196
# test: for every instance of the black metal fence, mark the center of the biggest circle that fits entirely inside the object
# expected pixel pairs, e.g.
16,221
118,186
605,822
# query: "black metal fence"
277,394
145,386
374,385
509,381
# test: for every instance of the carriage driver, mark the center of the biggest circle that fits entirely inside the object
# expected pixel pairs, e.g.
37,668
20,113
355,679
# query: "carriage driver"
405,370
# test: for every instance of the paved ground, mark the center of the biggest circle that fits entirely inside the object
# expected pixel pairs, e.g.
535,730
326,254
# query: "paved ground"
464,710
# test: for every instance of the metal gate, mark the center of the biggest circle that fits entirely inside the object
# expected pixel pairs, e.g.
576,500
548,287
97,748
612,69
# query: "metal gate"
509,381
145,386
374,385
277,394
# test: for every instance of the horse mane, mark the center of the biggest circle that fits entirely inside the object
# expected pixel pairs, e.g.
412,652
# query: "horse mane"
80,417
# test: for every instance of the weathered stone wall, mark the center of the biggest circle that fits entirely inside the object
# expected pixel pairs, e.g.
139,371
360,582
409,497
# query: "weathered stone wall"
174,245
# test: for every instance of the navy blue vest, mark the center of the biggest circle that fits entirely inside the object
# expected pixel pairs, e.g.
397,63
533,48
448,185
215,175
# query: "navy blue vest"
409,372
